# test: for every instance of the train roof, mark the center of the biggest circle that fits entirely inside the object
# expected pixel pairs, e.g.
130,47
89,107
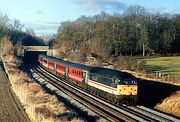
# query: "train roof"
75,65
111,73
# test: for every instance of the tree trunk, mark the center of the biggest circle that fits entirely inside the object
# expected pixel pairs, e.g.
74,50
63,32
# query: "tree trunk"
143,50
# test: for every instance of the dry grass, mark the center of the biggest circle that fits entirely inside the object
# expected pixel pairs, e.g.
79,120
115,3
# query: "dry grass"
39,105
171,104
8,58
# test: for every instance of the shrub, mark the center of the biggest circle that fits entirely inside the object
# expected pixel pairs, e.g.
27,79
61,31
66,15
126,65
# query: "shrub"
127,63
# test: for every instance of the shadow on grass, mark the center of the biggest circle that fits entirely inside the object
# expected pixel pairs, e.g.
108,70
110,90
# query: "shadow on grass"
155,68
151,92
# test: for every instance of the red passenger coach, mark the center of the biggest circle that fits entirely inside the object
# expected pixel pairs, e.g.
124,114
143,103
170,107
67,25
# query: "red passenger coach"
51,65
75,74
60,69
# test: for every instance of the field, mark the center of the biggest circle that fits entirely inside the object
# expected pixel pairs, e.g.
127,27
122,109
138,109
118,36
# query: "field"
166,65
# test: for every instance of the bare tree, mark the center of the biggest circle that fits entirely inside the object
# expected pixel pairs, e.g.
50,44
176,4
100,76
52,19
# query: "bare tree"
31,32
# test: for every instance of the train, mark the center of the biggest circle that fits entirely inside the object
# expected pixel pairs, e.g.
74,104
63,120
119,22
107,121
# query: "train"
115,86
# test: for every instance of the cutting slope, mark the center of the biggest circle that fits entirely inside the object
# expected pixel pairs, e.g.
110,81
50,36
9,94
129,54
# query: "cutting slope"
10,108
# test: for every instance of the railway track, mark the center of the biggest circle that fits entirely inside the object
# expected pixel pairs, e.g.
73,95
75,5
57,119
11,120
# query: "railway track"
158,116
107,110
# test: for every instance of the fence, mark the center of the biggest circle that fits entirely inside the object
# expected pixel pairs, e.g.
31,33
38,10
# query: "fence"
165,76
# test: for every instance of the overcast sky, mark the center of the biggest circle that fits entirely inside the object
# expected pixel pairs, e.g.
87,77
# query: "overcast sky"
44,16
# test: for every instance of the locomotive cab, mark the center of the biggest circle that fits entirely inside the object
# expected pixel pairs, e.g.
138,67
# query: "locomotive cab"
127,87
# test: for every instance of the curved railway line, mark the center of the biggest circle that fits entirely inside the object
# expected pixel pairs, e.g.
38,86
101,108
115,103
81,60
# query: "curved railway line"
103,108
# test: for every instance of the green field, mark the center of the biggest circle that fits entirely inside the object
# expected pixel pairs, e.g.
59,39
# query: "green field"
169,65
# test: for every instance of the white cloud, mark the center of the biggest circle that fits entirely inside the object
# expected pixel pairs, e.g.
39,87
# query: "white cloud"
101,4
42,27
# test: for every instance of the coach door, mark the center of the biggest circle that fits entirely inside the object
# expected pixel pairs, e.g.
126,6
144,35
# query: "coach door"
85,78
66,71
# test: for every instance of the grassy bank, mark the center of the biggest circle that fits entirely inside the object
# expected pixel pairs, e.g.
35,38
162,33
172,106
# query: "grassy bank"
166,65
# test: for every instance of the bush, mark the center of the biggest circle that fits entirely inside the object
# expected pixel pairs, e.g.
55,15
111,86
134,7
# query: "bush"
61,55
127,63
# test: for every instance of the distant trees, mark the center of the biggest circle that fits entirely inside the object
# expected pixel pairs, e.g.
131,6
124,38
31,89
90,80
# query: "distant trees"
13,30
12,39
4,25
136,32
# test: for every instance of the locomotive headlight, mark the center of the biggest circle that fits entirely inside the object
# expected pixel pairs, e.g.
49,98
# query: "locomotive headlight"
133,82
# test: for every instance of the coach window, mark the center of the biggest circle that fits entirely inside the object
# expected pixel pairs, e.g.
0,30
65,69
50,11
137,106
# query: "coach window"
44,61
94,77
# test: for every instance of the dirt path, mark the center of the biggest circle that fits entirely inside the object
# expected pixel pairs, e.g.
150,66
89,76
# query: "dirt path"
10,108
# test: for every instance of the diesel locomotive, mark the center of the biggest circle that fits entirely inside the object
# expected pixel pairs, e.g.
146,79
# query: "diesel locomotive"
115,86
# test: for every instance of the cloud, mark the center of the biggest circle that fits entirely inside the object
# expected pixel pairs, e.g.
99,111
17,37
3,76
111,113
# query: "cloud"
168,11
164,10
39,12
101,4
41,28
